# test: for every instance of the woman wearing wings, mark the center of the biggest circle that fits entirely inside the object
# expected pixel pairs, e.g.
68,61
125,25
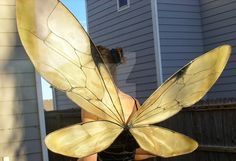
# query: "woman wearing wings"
125,147
63,53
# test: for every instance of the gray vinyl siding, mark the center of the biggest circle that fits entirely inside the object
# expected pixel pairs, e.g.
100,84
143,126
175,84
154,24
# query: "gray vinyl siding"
219,27
19,122
180,33
132,30
63,102
187,29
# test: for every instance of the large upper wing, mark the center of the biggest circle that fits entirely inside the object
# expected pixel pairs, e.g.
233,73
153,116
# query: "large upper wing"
184,88
65,56
163,142
82,140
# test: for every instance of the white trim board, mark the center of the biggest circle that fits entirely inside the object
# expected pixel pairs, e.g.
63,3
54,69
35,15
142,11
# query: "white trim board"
54,99
86,13
41,116
156,44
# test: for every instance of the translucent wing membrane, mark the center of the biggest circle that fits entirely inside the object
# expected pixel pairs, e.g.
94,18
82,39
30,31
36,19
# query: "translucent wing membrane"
64,55
82,140
184,88
163,142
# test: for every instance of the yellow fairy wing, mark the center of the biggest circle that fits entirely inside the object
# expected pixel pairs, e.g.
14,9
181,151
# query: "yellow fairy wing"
163,142
65,56
82,140
184,88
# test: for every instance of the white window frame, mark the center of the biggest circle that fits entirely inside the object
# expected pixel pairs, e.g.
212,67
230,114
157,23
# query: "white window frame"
42,123
123,7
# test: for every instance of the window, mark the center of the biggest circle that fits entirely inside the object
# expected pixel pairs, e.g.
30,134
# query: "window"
122,4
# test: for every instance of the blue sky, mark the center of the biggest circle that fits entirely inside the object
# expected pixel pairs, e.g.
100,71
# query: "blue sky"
78,8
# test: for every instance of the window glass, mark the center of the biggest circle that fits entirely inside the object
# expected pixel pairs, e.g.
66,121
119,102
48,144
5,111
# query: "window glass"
122,4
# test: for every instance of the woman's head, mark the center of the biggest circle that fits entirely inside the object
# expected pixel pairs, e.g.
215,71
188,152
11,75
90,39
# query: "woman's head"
111,58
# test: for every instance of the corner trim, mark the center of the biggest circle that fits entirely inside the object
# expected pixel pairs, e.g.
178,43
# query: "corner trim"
86,12
54,99
157,46
41,116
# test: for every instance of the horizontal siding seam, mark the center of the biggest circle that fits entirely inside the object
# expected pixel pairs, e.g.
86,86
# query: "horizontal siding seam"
225,19
136,71
20,141
227,83
144,69
107,26
113,11
171,4
94,8
205,3
179,11
117,17
218,35
11,45
180,24
179,38
179,32
134,37
18,128
219,42
187,18
25,154
96,13
20,114
20,100
187,45
205,17
218,6
117,37
31,153
136,77
17,86
122,28
223,91
21,127
139,43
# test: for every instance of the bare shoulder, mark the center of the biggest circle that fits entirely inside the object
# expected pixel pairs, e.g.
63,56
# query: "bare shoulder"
125,97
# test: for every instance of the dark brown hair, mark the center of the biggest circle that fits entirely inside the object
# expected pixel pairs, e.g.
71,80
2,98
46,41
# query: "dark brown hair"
111,58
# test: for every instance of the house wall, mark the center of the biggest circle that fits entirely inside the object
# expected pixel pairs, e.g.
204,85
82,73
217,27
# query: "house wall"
132,30
63,102
219,27
187,29
180,33
19,122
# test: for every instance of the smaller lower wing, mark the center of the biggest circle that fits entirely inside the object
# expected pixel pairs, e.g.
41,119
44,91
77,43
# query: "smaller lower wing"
81,140
163,142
